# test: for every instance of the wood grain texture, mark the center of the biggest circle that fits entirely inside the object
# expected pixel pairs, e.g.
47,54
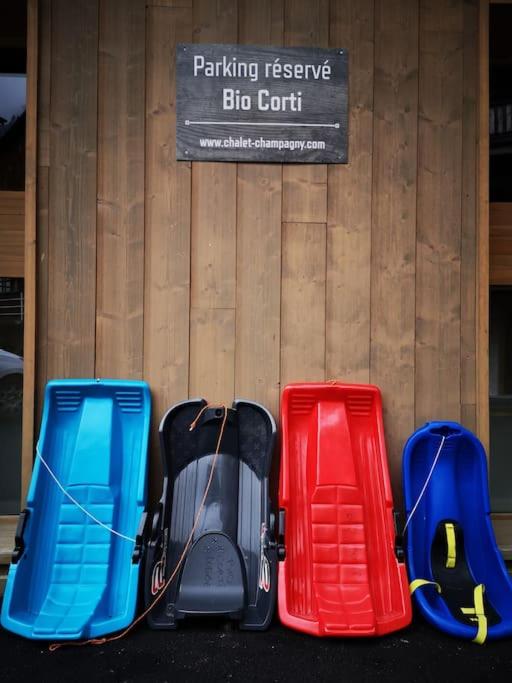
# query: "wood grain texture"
500,243
304,193
212,353
349,217
176,4
213,250
502,525
29,322
167,234
394,221
120,230
12,202
213,235
438,298
44,82
12,245
43,227
12,234
482,274
306,23
259,205
215,21
261,23
258,284
468,416
469,217
213,266
42,275
72,240
305,185
303,303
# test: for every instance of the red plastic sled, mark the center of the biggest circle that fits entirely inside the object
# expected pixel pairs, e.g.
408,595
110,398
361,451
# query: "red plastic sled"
341,574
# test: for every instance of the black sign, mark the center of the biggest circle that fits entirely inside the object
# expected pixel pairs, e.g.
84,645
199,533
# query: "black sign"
246,103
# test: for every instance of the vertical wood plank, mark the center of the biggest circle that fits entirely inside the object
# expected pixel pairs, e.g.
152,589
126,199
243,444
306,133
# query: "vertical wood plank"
167,218
438,303
468,234
305,185
120,231
44,82
72,205
260,23
213,297
212,350
43,161
213,256
176,4
482,349
213,235
304,193
258,283
500,243
258,280
304,215
303,303
394,221
350,204
215,20
43,229
468,416
29,327
306,23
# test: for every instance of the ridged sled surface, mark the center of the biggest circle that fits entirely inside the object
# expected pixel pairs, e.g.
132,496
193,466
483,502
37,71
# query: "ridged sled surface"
70,577
340,576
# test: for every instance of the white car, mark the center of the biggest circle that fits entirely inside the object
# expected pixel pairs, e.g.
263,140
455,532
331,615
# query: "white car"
11,383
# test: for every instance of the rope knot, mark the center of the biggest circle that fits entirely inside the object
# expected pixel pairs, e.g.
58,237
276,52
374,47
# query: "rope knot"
193,424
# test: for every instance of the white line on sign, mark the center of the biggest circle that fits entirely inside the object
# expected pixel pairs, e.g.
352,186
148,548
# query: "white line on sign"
250,123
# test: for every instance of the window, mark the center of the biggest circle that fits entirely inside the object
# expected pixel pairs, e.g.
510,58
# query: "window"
11,392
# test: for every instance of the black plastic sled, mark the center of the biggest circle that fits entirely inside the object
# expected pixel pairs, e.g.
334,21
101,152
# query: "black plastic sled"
230,566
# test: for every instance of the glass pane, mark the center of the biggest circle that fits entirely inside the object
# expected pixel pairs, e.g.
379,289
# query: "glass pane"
500,104
12,131
500,382
11,392
13,85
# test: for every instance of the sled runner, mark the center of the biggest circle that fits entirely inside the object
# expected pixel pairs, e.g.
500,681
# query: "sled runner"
74,570
342,573
457,573
229,568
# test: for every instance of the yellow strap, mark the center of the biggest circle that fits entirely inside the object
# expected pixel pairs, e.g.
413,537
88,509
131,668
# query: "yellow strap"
418,583
451,556
479,614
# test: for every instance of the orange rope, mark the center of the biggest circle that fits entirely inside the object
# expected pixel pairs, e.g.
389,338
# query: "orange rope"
101,641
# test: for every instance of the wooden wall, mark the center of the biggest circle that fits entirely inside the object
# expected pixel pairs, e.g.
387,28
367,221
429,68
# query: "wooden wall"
219,279
500,244
12,231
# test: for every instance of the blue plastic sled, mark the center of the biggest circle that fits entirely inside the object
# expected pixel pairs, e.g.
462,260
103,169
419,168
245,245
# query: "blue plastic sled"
71,578
462,584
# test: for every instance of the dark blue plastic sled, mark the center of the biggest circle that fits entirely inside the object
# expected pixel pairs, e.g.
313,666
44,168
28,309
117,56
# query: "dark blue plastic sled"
457,573
70,577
